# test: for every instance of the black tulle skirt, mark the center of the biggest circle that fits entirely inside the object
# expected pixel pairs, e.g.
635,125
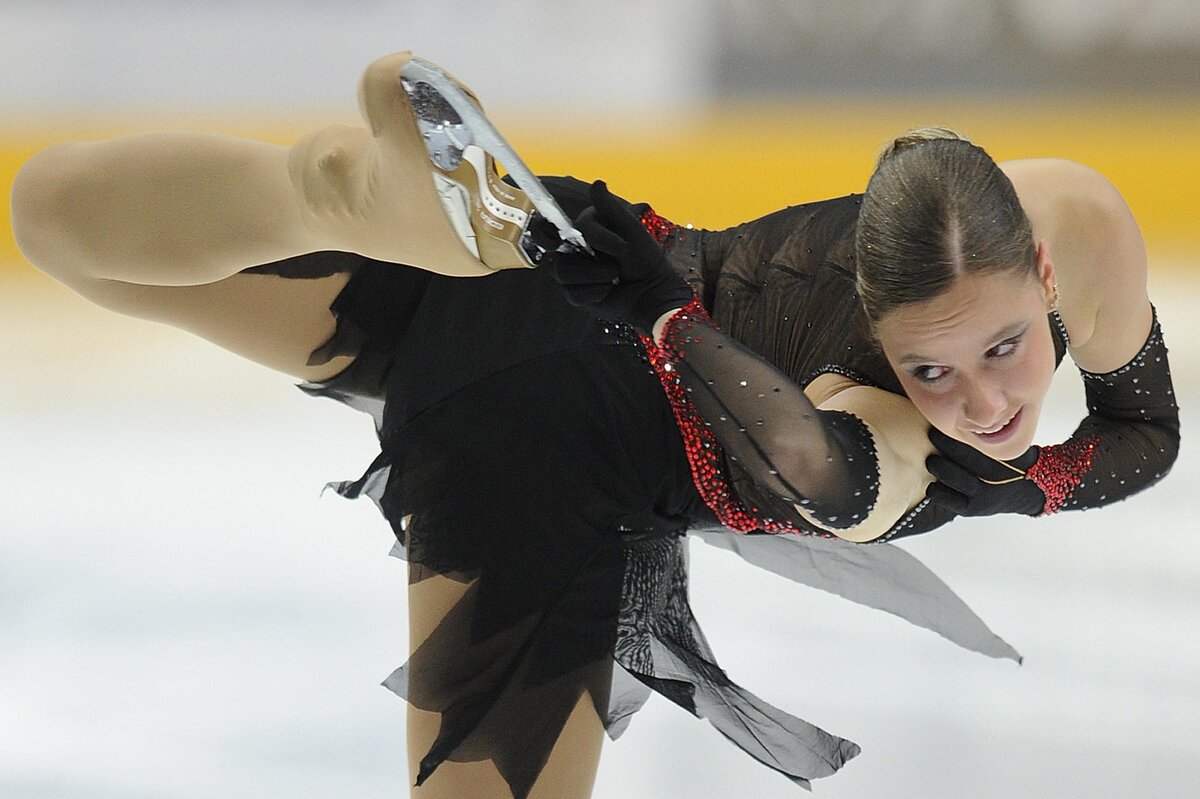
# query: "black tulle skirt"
528,451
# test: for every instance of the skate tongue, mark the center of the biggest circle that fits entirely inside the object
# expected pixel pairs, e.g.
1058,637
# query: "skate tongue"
450,121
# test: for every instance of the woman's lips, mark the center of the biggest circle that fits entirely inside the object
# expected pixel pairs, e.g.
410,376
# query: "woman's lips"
1004,433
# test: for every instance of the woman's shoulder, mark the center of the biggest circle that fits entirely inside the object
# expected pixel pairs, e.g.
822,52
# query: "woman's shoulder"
1062,197
1098,256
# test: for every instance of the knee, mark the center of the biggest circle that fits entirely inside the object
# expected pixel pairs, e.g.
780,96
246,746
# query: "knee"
40,205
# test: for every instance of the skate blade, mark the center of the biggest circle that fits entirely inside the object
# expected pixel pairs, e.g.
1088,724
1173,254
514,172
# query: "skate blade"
453,125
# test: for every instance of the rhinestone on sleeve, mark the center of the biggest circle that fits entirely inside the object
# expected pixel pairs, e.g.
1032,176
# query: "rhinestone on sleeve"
704,453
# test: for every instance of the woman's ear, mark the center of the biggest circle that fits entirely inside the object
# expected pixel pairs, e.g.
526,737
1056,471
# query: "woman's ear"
1046,276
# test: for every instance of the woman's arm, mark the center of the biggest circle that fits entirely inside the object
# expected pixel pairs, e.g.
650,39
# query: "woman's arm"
1130,437
844,458
901,447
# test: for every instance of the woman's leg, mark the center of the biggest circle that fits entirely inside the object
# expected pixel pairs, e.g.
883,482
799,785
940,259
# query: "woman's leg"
180,209
571,769
274,321
161,225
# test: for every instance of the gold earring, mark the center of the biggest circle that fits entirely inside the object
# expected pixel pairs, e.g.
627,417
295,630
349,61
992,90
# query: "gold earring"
1054,299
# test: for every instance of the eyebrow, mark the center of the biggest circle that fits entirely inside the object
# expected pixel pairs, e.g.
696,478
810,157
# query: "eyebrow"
1012,331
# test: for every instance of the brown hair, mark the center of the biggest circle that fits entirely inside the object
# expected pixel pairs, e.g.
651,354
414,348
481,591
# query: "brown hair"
937,207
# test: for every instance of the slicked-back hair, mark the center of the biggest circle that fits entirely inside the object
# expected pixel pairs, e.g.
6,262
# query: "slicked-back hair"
937,207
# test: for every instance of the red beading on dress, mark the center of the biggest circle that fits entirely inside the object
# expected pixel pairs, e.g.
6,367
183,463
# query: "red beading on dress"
658,227
1060,468
704,454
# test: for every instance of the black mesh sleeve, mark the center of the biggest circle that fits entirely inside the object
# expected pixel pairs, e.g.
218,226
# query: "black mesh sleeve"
1127,442
823,461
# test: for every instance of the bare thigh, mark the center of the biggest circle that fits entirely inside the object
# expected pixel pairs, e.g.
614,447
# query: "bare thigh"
571,769
271,320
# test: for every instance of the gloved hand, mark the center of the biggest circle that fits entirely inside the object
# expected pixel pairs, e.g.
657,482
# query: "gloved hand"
629,278
573,196
961,472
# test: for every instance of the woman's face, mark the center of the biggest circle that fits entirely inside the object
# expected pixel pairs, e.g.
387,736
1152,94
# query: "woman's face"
978,359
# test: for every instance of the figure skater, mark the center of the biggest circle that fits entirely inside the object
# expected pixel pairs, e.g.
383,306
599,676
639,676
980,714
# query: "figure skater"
856,369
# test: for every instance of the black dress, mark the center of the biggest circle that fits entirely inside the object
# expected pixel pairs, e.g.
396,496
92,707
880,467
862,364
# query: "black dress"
529,450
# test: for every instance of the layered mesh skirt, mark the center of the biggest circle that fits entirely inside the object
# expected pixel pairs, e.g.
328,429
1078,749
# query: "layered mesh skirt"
528,452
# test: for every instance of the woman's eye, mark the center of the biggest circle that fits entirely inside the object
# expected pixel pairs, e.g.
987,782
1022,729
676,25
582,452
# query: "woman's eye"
930,374
1004,348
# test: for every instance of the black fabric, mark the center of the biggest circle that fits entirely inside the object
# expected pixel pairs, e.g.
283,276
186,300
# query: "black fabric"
626,276
535,458
783,286
1134,420
823,461
520,488
528,451
311,266
970,483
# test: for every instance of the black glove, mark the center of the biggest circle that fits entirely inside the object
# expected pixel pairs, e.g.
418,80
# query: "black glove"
573,196
629,278
961,470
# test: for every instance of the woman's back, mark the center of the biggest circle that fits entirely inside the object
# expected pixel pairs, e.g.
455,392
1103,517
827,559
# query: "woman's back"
783,285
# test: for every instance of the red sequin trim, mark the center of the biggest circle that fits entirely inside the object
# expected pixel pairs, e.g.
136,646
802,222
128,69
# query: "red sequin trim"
658,227
703,452
1060,468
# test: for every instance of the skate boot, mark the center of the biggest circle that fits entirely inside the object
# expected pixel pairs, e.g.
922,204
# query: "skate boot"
493,218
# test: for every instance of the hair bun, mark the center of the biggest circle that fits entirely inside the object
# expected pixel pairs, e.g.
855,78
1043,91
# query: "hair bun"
916,136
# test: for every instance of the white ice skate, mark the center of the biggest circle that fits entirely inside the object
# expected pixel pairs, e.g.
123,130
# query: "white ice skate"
492,217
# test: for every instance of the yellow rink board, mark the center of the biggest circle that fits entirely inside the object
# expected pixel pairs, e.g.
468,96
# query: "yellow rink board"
717,166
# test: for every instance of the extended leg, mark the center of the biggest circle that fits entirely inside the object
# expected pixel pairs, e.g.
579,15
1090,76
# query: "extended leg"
160,225
184,208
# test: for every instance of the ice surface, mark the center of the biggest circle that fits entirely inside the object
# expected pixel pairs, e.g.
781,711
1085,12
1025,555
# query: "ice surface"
184,616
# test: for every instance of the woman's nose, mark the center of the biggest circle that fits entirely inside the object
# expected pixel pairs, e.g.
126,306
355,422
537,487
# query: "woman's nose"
984,404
